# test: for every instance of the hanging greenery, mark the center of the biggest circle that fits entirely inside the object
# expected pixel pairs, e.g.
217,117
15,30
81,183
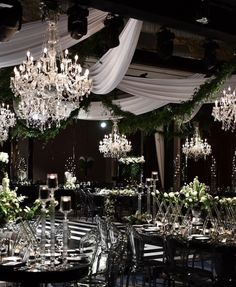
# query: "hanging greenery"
130,123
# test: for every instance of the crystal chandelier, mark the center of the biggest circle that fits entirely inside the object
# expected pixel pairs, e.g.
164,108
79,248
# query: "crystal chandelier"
7,120
51,87
225,110
114,145
196,147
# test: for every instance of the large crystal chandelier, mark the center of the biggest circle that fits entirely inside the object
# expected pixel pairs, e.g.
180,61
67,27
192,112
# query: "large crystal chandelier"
51,87
7,120
196,147
114,145
225,110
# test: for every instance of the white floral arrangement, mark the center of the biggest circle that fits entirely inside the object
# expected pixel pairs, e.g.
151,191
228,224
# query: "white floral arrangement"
10,202
4,157
226,201
194,195
132,159
117,192
70,182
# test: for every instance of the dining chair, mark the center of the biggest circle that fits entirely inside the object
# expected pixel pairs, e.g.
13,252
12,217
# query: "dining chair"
141,268
180,265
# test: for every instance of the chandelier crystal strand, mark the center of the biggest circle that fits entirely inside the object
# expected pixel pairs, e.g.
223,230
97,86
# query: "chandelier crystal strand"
114,145
196,147
7,120
225,110
51,87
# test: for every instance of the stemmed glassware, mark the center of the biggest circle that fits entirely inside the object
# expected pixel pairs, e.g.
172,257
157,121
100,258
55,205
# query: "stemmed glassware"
65,208
149,218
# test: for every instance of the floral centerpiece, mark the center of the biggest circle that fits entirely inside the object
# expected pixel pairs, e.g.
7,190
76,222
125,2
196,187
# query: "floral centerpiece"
10,203
195,196
131,167
110,199
70,180
137,218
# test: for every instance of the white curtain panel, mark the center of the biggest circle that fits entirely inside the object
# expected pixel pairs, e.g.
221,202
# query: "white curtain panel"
32,36
111,68
160,151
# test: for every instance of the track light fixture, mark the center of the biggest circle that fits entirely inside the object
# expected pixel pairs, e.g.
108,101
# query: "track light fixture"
113,25
165,43
10,19
77,21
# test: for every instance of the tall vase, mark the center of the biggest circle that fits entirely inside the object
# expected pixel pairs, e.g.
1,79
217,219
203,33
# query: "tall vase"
196,216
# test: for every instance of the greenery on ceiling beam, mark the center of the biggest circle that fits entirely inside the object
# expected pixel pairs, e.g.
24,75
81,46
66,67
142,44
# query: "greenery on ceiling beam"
152,121
130,123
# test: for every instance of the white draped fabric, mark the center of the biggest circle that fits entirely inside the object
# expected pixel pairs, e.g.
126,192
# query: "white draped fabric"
111,68
160,151
32,35
146,101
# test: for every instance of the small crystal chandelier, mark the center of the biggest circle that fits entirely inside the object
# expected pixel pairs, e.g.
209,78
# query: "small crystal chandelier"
225,110
51,87
114,145
196,147
7,120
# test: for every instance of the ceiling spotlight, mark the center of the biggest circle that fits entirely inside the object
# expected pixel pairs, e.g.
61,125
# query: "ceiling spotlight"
77,21
165,43
10,19
210,54
113,26
103,125
202,12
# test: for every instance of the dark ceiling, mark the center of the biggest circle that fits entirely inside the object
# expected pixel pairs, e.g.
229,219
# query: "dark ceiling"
179,14
180,17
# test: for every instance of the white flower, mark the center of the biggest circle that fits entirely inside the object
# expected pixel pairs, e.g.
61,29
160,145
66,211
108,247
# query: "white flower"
4,157
132,159
171,194
70,180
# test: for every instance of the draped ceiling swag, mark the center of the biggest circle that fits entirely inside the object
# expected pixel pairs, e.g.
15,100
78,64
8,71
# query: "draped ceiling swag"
143,94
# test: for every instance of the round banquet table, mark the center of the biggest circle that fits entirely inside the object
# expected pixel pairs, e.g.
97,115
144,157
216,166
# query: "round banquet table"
222,254
32,277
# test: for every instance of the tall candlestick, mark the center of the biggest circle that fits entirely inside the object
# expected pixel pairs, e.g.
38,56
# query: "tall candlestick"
52,183
148,184
155,179
43,197
65,207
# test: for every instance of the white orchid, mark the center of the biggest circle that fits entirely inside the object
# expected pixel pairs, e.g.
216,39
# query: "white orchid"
70,180
4,157
132,159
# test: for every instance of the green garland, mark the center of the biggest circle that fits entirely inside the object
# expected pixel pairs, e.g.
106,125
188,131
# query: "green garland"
150,122
130,123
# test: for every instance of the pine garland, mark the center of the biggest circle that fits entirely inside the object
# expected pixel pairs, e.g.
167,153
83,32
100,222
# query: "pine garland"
130,123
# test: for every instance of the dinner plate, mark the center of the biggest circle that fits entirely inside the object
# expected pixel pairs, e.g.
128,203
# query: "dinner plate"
11,259
149,229
77,258
203,237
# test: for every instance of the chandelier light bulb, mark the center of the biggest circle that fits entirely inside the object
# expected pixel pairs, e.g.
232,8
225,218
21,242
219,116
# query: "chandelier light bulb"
114,145
196,148
224,110
7,120
54,84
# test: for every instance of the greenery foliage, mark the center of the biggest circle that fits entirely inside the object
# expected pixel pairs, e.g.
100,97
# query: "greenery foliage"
130,123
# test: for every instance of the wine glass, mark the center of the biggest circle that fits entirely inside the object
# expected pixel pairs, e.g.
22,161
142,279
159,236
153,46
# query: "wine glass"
149,218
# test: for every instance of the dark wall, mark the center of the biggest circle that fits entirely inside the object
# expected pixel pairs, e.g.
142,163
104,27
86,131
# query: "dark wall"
81,139
223,144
